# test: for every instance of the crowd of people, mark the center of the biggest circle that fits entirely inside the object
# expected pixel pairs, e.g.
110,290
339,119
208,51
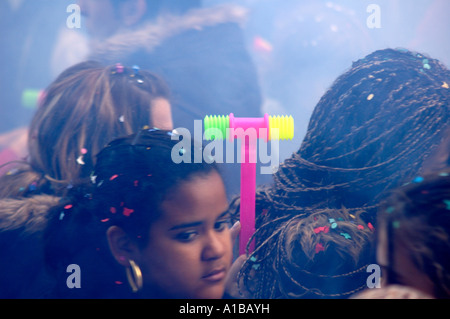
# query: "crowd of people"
91,180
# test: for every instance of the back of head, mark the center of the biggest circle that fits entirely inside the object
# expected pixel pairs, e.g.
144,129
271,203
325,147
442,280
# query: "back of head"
371,131
132,177
416,218
86,107
321,256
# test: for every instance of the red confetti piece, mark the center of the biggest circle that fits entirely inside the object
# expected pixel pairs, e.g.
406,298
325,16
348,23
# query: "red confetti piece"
68,206
113,210
319,248
113,177
361,227
127,212
371,226
118,282
105,220
324,229
136,183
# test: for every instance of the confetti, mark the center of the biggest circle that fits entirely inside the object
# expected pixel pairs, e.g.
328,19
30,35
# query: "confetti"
122,119
371,226
136,183
113,210
390,210
32,187
418,179
324,229
113,177
256,266
119,68
319,248
80,160
105,220
360,227
396,224
12,172
370,97
333,223
445,85
84,151
347,236
127,212
447,203
262,45
61,216
67,207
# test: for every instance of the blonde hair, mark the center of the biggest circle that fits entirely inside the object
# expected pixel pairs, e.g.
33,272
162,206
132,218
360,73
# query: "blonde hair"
86,107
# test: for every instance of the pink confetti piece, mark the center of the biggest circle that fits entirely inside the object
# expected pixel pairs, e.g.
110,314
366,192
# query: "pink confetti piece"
127,212
319,248
324,229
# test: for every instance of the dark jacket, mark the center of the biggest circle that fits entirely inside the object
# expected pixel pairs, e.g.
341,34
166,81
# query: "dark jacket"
203,57
22,270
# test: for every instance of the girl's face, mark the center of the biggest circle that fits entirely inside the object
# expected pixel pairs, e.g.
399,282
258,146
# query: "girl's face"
190,250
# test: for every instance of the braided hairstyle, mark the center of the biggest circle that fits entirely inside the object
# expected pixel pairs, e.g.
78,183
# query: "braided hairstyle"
132,177
370,132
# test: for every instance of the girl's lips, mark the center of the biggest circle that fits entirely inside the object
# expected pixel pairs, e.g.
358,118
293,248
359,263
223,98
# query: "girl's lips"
215,275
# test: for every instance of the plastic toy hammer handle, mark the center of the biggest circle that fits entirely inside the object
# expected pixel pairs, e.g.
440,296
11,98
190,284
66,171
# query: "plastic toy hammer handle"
248,189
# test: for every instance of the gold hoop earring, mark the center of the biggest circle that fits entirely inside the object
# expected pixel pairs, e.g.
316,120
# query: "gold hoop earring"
134,276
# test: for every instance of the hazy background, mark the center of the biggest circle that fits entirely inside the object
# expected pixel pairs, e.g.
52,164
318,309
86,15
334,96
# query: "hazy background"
299,47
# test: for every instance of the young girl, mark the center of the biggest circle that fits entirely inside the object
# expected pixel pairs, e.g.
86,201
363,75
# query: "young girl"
145,227
85,108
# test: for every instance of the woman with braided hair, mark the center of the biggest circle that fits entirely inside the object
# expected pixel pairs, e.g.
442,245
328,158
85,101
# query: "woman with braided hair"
371,132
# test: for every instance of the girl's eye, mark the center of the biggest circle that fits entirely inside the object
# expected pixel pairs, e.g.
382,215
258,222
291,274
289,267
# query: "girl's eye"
187,236
222,225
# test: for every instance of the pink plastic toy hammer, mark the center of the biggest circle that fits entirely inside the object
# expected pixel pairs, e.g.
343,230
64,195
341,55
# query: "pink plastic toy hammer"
248,130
